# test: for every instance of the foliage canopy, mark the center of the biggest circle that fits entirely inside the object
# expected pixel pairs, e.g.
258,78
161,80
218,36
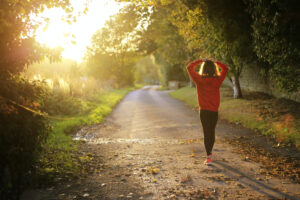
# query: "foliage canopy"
240,33
22,132
111,57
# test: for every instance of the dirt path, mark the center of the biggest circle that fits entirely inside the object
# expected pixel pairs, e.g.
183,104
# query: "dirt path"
151,147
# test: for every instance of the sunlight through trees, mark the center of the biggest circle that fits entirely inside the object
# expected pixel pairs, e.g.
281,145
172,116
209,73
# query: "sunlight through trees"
145,42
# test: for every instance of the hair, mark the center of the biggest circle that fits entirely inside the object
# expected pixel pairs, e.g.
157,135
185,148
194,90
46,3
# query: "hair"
209,69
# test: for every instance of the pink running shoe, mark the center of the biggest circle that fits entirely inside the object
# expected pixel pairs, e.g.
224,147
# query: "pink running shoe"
208,160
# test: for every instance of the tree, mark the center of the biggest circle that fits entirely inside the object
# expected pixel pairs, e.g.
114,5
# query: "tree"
17,46
146,71
112,56
22,131
162,40
275,31
240,32
218,29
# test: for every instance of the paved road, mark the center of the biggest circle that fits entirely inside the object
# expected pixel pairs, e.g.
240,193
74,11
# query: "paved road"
151,147
151,114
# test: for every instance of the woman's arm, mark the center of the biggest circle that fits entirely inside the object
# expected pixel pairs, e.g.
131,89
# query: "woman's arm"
191,70
223,72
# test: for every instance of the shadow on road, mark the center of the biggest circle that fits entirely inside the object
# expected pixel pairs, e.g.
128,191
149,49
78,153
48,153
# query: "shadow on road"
250,182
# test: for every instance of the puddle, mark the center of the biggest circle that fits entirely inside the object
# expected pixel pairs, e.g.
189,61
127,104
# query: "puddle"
85,134
122,140
93,140
88,135
83,138
130,141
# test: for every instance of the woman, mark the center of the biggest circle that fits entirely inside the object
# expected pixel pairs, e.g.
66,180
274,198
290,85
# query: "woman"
208,82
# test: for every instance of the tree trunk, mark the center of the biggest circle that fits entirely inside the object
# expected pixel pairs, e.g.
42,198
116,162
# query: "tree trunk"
237,92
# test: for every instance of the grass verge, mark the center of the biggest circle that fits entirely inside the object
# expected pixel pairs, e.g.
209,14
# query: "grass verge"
59,158
277,118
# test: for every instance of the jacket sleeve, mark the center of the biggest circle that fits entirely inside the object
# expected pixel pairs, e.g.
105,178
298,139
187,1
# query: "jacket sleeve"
223,72
191,70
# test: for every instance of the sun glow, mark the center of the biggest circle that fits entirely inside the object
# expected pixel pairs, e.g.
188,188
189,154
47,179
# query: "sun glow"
76,36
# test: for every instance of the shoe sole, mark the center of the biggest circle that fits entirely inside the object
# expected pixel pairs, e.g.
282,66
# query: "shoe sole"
208,163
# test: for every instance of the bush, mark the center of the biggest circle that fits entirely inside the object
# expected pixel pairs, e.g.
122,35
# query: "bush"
59,103
22,133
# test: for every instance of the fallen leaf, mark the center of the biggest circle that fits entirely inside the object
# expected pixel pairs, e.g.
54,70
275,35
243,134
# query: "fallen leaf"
86,195
154,170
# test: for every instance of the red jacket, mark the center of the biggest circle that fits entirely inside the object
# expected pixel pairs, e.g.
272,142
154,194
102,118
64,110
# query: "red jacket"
207,88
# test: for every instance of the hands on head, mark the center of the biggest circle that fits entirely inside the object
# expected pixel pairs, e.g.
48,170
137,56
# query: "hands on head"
203,60
211,59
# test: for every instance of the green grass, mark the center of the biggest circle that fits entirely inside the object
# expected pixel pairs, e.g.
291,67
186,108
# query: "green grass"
59,155
139,85
248,113
186,94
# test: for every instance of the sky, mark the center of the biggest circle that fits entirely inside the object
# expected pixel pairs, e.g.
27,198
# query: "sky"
76,36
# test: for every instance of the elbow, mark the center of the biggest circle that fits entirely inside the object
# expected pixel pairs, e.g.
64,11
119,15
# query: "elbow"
188,68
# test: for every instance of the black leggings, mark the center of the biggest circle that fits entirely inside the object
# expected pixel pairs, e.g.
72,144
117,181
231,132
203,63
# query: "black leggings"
209,121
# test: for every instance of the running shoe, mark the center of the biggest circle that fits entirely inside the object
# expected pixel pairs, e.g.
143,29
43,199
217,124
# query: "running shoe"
208,160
